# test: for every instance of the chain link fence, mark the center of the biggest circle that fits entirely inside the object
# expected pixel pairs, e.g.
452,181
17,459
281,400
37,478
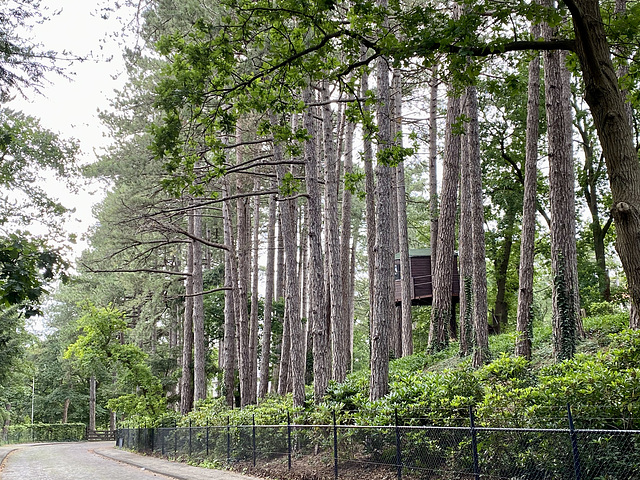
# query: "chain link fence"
350,452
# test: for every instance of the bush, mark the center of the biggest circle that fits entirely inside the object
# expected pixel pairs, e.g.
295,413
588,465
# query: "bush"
45,432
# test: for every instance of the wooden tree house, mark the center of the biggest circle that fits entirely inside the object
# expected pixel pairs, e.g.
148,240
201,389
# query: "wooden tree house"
421,282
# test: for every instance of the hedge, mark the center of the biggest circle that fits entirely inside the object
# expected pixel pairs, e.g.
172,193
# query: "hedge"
44,432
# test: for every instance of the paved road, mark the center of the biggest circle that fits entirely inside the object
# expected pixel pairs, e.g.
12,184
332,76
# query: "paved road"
75,461
96,461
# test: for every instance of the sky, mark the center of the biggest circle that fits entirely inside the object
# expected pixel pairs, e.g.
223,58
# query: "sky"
70,106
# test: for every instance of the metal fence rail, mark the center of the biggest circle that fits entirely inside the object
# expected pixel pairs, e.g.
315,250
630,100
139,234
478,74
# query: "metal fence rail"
409,452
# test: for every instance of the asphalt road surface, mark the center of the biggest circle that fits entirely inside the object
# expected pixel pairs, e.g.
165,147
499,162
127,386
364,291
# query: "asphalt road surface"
68,461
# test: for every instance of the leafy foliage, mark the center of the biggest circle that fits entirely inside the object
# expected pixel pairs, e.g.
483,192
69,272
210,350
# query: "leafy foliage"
28,154
46,432
26,265
99,351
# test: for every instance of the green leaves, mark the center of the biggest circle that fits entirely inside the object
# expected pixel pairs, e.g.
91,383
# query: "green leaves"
27,153
26,264
100,349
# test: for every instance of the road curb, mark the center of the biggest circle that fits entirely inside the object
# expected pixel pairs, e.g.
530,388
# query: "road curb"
168,468
141,466
4,453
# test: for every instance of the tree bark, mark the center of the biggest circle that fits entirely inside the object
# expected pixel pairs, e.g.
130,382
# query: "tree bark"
339,336
433,161
292,288
345,244
199,344
92,403
230,346
255,257
465,256
524,323
317,319
65,410
442,270
268,299
480,324
406,326
562,203
247,396
501,269
383,310
186,380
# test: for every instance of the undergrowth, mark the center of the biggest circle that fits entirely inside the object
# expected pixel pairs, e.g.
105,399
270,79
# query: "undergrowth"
601,383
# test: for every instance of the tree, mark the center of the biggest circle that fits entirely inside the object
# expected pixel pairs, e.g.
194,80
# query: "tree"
383,309
24,65
562,200
480,324
221,77
403,234
442,266
604,97
26,265
28,153
524,325
100,354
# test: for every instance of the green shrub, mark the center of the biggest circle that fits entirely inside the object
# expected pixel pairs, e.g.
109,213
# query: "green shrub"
46,432
603,324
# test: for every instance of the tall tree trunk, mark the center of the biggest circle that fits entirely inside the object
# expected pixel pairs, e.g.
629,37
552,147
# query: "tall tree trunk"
465,257
247,396
480,323
591,176
501,269
383,310
403,233
186,380
268,299
524,324
280,273
562,201
230,280
199,344
292,288
442,270
370,202
317,319
433,161
338,321
284,383
65,410
253,334
345,243
623,70
92,403
352,286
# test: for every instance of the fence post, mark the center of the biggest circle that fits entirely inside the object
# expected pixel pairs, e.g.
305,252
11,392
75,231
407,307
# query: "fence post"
175,438
228,442
574,444
398,448
253,440
207,439
335,447
190,439
474,444
289,440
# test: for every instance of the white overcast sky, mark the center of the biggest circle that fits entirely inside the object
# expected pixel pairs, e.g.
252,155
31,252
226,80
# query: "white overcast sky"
70,106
